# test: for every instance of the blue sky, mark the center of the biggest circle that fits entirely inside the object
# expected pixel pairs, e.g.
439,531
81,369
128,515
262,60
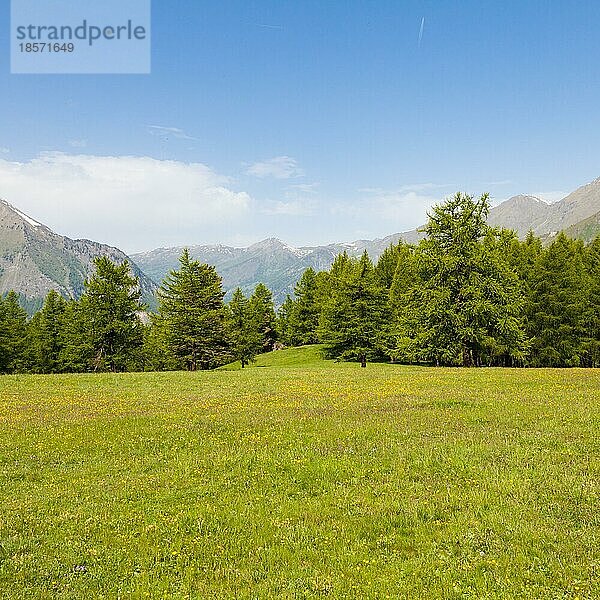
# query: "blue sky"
309,121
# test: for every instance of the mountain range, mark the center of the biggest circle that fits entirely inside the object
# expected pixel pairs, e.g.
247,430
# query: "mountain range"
574,214
280,266
34,259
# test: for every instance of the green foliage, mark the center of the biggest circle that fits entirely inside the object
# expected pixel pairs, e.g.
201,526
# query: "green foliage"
77,352
284,324
557,309
245,333
591,345
262,313
462,303
386,266
304,313
110,308
401,279
192,315
46,335
13,334
354,314
156,353
467,294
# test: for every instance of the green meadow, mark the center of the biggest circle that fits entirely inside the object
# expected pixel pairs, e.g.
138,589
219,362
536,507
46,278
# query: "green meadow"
301,478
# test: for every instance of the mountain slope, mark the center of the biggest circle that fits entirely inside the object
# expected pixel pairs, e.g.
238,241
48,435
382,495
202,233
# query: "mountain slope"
519,213
578,206
34,260
523,213
279,266
585,230
270,261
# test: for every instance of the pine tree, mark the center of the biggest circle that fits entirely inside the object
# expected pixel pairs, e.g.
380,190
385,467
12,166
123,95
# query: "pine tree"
156,353
522,256
591,353
192,315
304,313
262,312
46,335
284,326
386,266
464,303
76,347
13,334
557,313
246,339
351,320
399,301
591,342
111,306
340,269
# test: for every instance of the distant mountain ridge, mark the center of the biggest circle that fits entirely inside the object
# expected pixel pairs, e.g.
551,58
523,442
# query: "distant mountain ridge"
269,261
279,266
34,260
519,213
523,213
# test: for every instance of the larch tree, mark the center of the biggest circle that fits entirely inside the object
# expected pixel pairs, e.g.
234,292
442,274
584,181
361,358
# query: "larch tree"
13,334
557,311
304,312
192,315
246,339
111,308
464,305
262,312
46,335
591,343
352,317
284,324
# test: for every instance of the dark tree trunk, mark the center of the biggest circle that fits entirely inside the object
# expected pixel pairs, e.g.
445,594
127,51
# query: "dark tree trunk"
466,357
363,360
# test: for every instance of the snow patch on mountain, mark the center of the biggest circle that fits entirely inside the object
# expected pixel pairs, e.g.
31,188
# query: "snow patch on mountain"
21,214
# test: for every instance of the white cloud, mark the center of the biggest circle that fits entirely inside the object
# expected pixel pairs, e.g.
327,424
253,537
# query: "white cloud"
408,208
4,150
280,167
304,188
78,143
500,182
132,202
390,211
169,132
292,208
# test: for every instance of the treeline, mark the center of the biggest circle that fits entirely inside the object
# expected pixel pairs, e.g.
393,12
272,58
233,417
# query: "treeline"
109,328
467,294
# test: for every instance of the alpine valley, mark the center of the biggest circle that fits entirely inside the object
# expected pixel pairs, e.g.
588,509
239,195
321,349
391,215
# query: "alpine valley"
34,259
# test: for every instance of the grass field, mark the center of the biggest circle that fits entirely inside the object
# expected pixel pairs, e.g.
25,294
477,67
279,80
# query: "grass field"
301,479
